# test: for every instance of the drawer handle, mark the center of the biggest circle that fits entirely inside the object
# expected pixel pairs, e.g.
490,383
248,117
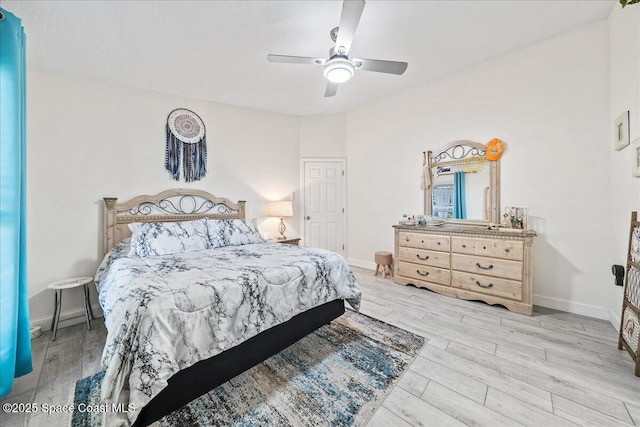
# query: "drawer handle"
426,273
484,268
423,259
407,239
464,246
490,285
421,241
438,243
484,247
507,250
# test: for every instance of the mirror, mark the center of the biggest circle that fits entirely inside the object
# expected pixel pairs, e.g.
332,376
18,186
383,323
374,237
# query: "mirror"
462,186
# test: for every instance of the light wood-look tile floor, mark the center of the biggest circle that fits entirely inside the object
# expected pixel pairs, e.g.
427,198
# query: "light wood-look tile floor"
57,365
481,365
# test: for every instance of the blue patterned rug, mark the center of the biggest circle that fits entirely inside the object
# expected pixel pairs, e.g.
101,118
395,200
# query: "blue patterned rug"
336,376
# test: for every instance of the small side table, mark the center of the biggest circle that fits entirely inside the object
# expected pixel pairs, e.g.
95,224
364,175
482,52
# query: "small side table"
58,287
291,241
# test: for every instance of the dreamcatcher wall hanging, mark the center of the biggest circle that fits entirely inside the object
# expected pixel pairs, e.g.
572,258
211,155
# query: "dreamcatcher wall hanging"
186,145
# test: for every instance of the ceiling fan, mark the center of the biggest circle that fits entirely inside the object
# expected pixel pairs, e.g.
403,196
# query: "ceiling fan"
339,67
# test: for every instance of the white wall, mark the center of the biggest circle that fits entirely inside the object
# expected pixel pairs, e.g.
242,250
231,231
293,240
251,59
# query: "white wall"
550,104
323,136
624,62
88,140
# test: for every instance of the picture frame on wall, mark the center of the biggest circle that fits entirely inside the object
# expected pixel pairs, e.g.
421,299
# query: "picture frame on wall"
636,158
621,131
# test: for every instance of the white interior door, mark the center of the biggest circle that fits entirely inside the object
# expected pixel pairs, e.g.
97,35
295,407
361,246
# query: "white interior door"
324,204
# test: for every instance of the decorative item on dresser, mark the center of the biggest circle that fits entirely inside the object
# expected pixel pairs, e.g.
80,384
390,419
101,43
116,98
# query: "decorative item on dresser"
629,336
467,262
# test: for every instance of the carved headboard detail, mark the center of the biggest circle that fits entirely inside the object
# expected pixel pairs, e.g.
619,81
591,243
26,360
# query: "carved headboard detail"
170,205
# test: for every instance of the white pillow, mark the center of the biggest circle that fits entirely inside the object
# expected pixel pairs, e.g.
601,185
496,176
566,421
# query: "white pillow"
134,226
165,238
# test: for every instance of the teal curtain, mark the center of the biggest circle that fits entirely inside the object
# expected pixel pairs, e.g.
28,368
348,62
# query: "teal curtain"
15,344
459,204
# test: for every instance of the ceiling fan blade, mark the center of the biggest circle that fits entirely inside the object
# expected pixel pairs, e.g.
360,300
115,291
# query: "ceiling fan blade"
380,66
351,13
296,59
331,90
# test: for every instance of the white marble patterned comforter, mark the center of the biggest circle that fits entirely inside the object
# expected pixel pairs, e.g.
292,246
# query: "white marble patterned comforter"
166,313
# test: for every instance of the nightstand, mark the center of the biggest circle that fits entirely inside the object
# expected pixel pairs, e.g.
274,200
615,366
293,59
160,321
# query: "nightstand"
288,241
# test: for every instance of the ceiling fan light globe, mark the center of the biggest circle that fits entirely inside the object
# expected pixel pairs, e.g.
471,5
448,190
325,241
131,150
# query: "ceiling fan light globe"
338,70
339,75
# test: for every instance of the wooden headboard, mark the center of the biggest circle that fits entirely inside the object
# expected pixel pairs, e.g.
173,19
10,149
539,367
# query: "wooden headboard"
170,205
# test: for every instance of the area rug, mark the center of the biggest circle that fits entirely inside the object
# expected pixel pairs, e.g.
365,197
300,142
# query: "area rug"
336,376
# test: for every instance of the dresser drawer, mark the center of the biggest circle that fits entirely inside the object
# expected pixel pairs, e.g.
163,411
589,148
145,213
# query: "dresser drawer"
507,249
487,285
424,257
488,266
424,273
433,242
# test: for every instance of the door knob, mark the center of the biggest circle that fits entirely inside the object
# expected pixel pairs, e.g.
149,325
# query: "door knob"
308,218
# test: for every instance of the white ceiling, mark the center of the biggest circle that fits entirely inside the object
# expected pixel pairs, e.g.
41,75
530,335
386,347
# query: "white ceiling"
216,50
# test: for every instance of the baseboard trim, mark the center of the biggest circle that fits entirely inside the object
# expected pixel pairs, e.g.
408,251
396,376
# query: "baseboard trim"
362,264
67,318
572,307
614,319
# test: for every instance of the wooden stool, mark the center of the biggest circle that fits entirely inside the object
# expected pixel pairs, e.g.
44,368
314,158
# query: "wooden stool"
384,260
68,284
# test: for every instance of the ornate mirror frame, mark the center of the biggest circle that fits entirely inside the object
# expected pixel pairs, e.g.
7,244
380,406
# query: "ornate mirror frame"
457,153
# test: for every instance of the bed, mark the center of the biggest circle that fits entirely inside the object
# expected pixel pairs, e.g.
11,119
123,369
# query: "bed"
181,324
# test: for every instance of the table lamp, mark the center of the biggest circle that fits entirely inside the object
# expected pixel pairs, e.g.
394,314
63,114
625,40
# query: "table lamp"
281,208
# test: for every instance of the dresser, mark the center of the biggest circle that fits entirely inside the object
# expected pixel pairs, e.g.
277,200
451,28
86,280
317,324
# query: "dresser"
467,262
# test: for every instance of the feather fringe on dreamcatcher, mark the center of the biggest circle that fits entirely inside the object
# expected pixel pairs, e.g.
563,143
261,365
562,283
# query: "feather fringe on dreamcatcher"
186,145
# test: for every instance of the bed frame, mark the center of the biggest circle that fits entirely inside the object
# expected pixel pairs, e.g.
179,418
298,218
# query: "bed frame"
192,382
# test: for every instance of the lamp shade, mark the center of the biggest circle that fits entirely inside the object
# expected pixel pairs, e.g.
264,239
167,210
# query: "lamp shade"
281,208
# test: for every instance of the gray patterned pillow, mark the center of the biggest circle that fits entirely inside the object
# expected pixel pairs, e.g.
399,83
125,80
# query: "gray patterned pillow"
243,232
165,238
217,233
233,232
